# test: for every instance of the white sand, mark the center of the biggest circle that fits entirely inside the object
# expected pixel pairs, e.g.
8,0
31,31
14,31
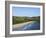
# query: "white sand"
21,24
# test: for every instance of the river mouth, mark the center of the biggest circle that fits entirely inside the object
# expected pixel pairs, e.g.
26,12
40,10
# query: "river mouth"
34,25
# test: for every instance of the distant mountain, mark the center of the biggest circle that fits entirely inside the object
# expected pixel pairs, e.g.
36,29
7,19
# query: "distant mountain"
28,18
18,19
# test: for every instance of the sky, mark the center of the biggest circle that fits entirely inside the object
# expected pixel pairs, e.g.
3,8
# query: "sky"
25,11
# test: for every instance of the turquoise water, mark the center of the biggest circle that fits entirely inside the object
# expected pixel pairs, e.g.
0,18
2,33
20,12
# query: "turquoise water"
31,26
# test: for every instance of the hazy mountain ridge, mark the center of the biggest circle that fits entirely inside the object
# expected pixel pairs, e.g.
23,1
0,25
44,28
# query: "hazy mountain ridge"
18,19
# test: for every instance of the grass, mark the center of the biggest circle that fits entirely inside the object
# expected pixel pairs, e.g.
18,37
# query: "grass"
17,19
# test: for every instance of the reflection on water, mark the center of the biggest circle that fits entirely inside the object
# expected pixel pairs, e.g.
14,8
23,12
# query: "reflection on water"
31,26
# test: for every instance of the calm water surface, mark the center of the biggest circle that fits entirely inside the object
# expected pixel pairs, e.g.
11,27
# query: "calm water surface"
31,26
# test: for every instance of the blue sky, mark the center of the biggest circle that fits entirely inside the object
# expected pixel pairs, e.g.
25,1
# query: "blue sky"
25,11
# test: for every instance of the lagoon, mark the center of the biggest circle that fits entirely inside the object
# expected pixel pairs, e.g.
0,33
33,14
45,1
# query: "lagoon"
30,26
